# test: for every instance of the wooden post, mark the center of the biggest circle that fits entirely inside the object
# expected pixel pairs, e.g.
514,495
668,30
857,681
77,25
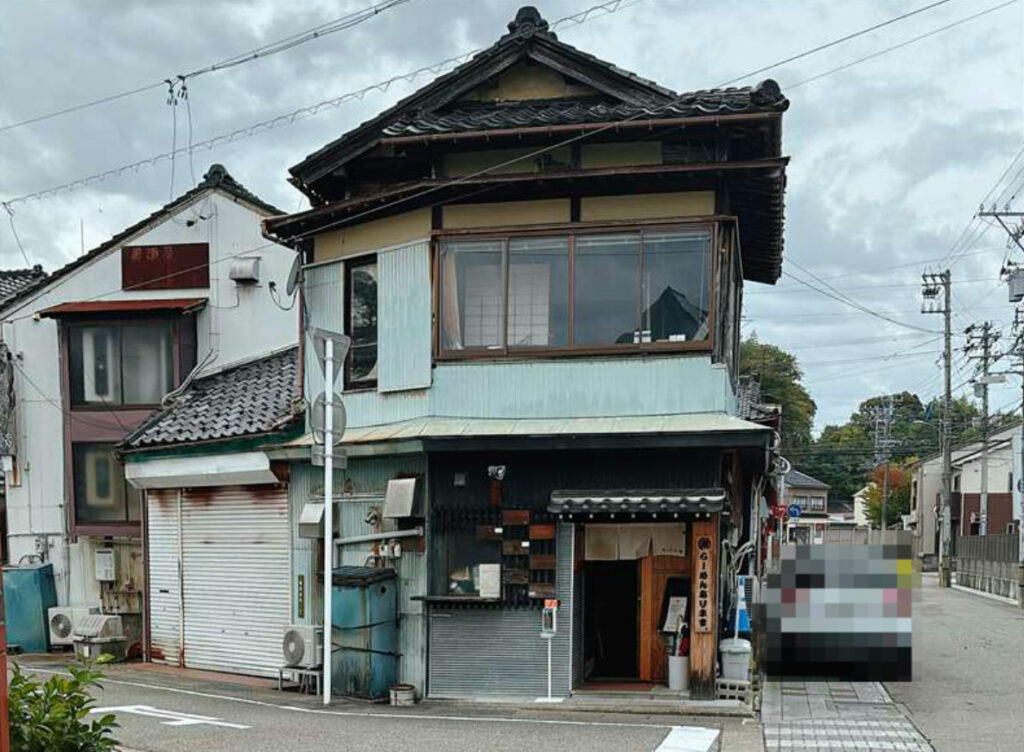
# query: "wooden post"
703,610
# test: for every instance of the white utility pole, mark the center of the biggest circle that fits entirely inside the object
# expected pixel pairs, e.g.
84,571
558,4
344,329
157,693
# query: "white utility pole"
982,337
328,513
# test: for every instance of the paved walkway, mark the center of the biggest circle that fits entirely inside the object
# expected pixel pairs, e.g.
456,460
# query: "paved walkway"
968,687
810,716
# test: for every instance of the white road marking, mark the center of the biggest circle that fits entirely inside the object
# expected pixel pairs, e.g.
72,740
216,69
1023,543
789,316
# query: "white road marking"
688,739
363,714
171,717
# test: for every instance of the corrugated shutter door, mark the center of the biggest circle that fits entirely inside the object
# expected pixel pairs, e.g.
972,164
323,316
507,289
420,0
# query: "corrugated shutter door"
162,534
485,652
236,554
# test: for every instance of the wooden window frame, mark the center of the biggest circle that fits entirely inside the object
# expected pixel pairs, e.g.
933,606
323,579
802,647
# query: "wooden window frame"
712,224
350,265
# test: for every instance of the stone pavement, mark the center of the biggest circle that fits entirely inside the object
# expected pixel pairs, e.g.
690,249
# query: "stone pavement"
814,716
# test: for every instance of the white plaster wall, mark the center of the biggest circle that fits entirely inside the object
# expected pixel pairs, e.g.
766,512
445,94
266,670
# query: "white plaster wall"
1000,463
239,323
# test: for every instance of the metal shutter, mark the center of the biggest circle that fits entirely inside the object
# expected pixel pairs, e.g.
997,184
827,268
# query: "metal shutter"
499,652
164,592
236,578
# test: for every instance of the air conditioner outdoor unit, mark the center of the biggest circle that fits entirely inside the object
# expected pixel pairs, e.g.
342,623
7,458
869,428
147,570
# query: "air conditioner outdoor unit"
62,621
98,627
303,646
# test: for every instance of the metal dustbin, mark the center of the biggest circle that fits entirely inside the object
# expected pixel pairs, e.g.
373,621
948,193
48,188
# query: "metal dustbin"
735,657
29,592
364,631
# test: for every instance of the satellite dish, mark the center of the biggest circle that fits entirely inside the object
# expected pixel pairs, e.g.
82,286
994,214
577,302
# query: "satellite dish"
294,276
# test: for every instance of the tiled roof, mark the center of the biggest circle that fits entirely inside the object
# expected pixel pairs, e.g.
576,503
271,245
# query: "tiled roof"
796,479
258,397
13,280
765,97
750,405
217,177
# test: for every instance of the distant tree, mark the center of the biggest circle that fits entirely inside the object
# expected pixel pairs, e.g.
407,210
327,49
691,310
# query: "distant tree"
780,375
897,502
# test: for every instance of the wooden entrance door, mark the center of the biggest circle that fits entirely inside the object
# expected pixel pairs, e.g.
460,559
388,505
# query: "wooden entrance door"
654,573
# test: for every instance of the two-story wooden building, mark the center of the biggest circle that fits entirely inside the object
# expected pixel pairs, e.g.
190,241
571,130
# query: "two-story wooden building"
540,260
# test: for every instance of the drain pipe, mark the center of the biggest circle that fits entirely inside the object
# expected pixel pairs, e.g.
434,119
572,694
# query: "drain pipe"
414,533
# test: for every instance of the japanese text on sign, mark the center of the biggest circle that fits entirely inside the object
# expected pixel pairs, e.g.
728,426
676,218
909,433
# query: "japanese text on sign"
703,584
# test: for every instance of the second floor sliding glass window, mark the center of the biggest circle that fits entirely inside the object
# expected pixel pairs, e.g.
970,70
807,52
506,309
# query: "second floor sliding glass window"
121,364
583,291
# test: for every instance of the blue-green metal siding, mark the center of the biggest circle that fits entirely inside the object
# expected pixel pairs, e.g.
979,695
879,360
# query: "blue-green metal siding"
606,387
358,489
403,318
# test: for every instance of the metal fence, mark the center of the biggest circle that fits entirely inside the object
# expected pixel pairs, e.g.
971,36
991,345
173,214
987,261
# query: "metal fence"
989,563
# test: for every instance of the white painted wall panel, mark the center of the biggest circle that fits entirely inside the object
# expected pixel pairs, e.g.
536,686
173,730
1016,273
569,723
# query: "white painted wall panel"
240,323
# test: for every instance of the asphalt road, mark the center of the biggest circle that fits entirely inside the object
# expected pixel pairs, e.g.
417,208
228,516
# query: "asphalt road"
968,686
171,718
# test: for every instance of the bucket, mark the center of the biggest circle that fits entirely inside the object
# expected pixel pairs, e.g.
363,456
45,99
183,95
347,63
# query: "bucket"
402,695
678,673
735,657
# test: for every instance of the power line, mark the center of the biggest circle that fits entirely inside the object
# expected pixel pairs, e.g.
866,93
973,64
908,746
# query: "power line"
312,110
606,8
339,24
14,232
903,44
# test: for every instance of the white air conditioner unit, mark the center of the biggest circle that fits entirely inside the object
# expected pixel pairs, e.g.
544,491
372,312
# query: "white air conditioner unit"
62,621
245,271
303,646
98,626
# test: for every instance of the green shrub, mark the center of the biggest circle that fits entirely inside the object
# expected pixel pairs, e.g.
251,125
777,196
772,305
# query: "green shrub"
53,716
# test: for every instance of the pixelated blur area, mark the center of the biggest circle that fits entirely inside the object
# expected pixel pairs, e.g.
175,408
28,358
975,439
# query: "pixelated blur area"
840,611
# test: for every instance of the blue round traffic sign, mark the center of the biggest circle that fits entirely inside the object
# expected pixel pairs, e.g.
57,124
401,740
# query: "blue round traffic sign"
793,510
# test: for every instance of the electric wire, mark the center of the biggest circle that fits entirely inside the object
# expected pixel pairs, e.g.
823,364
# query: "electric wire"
317,32
289,118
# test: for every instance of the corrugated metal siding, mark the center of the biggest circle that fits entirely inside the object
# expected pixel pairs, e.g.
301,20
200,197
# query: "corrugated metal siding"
499,652
235,551
323,290
367,480
404,318
164,613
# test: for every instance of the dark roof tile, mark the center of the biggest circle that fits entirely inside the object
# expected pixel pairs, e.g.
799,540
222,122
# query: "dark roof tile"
258,397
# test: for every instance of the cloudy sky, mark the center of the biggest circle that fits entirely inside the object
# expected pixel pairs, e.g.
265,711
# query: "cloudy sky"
890,157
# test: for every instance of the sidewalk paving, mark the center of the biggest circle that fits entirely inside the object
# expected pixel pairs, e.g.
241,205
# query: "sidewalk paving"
803,716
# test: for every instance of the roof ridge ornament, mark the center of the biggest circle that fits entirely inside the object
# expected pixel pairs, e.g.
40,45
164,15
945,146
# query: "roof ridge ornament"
528,21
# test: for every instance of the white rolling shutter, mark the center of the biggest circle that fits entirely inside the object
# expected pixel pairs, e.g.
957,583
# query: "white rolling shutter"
164,593
236,578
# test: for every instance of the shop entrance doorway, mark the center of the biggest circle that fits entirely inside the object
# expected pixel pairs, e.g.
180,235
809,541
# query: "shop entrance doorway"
611,620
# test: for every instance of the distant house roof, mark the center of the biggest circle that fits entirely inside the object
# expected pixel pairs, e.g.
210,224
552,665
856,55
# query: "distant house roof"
796,479
13,280
254,398
217,177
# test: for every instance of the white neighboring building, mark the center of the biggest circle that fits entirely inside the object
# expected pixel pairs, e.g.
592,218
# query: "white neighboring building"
860,506
90,352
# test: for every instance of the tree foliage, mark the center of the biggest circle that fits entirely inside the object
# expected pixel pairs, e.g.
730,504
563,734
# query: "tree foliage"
896,478
780,374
